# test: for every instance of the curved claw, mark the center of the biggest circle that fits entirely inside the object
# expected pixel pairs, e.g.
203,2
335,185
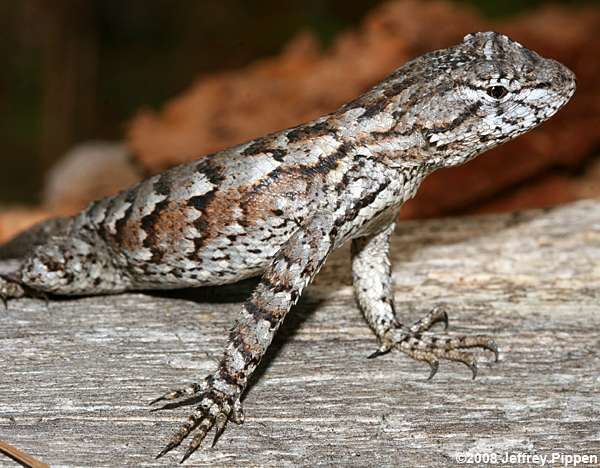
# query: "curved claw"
164,397
434,368
473,367
191,449
379,352
189,390
445,319
187,454
165,407
493,347
175,404
439,315
156,400
205,425
220,423
192,423
170,446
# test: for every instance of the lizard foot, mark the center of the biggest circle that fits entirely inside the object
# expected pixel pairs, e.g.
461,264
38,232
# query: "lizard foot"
215,409
10,290
417,342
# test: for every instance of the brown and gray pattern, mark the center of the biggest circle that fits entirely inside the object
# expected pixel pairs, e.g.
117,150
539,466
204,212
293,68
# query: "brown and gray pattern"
279,205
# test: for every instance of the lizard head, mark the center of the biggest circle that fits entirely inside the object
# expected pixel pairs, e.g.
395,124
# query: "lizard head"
459,102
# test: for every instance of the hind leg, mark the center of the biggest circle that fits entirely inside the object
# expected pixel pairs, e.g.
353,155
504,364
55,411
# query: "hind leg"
373,287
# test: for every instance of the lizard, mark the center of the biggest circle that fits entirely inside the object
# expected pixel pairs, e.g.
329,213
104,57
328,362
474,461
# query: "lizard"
277,206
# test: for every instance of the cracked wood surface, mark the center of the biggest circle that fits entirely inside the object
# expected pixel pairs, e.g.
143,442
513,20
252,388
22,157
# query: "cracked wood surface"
77,374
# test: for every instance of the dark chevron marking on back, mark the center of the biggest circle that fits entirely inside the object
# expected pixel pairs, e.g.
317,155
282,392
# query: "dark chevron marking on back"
304,132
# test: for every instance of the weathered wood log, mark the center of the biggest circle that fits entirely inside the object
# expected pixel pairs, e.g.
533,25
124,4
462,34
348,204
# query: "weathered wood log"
76,375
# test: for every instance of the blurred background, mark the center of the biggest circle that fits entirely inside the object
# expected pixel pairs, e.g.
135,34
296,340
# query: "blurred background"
96,94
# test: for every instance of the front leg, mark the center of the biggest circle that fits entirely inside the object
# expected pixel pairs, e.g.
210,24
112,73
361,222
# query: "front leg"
372,279
280,287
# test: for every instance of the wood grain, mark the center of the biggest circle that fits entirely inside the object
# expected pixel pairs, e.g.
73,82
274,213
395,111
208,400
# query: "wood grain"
76,375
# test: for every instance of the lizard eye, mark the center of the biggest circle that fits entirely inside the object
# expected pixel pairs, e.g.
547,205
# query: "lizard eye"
497,92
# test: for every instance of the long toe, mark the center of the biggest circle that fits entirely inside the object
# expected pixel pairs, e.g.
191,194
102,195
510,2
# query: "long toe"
187,391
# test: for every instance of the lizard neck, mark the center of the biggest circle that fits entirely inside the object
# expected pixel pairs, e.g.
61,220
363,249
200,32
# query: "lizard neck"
380,136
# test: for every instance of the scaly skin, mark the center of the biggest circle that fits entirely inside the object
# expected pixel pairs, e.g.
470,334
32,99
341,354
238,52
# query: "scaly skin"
277,206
